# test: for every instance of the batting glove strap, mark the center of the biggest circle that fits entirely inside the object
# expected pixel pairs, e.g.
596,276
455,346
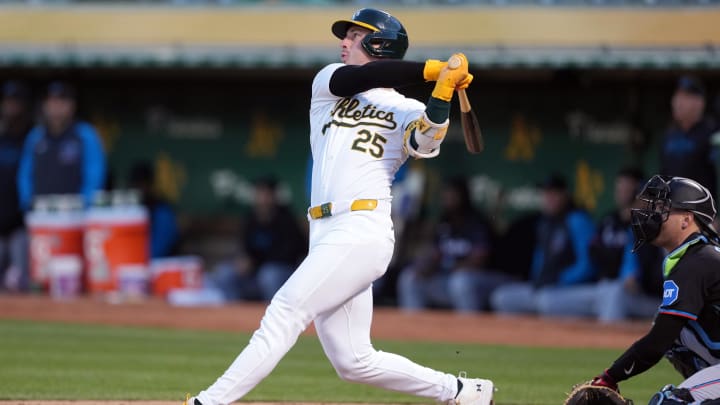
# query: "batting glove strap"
464,83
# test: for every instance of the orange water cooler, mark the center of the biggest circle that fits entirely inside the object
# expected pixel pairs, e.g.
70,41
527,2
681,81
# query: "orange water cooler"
53,231
176,273
115,238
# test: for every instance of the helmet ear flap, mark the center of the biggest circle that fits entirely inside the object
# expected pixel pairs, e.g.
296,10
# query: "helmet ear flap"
709,231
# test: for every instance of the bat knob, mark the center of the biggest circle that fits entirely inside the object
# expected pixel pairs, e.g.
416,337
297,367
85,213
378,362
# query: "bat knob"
454,62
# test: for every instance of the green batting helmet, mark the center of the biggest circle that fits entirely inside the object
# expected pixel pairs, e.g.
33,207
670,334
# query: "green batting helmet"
388,38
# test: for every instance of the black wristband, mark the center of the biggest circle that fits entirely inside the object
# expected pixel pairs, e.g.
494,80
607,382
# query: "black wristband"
437,110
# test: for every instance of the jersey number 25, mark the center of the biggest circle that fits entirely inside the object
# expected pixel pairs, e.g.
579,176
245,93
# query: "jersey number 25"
367,142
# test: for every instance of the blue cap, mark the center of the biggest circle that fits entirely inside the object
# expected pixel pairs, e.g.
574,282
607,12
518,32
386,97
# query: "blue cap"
691,84
15,89
61,89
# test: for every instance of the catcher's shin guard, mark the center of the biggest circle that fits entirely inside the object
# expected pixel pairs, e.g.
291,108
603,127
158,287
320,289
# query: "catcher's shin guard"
670,395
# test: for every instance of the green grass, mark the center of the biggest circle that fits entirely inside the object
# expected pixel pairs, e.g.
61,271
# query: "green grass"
76,362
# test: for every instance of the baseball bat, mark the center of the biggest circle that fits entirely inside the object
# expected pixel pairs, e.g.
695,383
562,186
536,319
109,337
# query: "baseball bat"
468,120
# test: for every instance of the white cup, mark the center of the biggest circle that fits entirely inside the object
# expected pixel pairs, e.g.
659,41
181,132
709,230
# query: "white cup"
133,281
65,276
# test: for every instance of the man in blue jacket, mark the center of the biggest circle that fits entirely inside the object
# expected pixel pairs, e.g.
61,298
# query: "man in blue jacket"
561,257
686,149
61,155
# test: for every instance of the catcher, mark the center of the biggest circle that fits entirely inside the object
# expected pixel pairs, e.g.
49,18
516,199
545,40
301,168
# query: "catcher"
675,213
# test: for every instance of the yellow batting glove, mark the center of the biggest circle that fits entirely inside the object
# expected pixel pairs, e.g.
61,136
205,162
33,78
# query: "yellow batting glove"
432,69
451,76
464,83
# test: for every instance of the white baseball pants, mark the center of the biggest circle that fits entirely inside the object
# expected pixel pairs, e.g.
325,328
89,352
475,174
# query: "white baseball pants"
332,286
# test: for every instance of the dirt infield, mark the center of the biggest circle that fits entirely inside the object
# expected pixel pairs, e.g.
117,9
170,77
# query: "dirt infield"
388,323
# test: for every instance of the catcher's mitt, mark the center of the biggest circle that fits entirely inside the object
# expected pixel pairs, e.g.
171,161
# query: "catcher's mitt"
587,394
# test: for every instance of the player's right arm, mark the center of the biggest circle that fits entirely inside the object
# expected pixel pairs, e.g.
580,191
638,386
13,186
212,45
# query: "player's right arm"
683,299
94,165
649,349
352,79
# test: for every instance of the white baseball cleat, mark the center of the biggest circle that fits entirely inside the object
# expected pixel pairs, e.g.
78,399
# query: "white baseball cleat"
474,391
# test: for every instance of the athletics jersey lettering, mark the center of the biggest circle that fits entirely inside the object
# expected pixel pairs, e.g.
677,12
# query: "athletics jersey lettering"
349,113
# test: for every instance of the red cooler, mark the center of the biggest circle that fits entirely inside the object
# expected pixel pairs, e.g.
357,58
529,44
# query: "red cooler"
180,272
114,237
52,233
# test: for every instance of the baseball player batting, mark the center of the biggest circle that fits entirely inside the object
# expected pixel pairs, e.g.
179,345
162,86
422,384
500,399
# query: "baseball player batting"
361,132
677,215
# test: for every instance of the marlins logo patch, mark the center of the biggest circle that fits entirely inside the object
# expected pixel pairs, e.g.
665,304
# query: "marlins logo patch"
670,293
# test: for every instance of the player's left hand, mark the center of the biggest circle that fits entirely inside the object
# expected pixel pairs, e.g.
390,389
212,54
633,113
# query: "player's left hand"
604,380
450,77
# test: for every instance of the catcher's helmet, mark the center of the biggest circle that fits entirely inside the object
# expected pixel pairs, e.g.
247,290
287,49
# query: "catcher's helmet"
388,38
662,194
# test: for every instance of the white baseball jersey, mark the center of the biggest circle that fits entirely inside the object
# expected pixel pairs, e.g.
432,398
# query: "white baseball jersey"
357,142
